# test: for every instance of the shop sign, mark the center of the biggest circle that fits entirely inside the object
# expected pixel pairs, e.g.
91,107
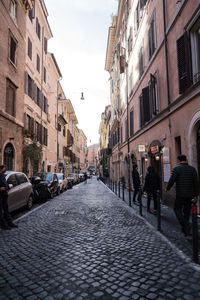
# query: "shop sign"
141,148
165,155
154,149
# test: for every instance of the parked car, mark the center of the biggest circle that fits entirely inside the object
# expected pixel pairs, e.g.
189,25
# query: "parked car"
51,180
62,181
81,177
41,191
20,192
71,178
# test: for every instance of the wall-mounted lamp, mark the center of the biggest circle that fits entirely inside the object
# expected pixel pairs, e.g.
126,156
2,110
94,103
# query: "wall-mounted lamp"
146,159
157,156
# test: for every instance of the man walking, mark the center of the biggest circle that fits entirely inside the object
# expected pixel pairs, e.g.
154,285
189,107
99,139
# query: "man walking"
136,181
185,177
5,217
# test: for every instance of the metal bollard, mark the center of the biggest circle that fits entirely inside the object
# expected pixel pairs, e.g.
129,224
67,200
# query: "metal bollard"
119,190
195,231
123,191
158,212
129,195
140,201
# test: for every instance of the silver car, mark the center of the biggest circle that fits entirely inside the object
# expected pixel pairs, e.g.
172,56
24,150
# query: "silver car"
20,192
62,181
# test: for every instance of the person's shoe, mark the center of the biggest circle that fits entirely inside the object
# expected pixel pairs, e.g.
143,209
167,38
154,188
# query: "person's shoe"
5,227
12,225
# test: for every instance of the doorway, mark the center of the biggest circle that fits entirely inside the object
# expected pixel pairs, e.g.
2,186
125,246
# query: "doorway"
9,155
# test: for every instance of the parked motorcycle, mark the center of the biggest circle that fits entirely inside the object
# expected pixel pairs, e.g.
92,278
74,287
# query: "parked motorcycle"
41,191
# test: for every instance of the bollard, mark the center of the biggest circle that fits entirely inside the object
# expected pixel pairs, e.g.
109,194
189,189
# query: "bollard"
129,195
195,231
119,190
140,201
158,211
111,185
123,191
115,188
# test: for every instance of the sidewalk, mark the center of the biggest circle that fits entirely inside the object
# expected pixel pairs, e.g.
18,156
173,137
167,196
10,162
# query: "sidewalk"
170,227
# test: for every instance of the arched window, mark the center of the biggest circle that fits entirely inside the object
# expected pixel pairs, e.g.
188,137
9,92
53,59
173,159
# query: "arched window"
9,156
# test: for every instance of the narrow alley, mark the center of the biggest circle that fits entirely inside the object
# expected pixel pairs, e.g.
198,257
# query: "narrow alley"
87,244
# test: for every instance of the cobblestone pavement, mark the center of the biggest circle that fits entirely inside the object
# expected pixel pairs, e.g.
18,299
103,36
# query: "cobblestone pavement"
87,244
169,225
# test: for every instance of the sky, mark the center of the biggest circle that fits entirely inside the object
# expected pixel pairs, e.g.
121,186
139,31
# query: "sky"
80,32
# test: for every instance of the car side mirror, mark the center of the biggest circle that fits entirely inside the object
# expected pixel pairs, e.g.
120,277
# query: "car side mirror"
10,186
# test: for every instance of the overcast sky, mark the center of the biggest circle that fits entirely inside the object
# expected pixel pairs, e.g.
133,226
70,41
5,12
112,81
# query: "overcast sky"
80,31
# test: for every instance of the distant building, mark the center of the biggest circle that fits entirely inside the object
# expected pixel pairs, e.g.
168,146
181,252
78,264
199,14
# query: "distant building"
93,157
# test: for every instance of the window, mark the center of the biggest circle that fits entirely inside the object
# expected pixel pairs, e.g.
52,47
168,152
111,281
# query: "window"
12,180
13,9
13,46
145,114
38,96
151,36
153,95
10,98
30,86
31,13
38,63
29,48
130,40
178,145
141,62
21,178
38,28
45,45
45,75
130,84
28,124
195,49
131,123
126,129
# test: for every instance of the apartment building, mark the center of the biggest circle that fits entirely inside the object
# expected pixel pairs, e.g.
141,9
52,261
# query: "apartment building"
93,157
12,60
83,151
155,54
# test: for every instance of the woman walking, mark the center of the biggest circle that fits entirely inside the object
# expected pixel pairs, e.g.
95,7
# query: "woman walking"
151,185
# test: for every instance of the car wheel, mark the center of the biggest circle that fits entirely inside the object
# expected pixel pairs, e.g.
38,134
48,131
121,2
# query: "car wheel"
58,191
29,202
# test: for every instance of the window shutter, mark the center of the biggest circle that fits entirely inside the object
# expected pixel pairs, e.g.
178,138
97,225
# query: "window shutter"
25,121
152,94
141,111
122,64
40,99
32,127
146,106
26,83
43,102
45,45
32,89
131,122
184,66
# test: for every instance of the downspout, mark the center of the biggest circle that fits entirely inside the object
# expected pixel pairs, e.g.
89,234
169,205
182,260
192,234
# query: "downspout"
166,54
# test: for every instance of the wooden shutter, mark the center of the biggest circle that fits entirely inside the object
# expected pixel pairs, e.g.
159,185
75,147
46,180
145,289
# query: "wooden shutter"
45,45
184,63
131,122
152,95
26,83
146,106
122,64
141,111
25,121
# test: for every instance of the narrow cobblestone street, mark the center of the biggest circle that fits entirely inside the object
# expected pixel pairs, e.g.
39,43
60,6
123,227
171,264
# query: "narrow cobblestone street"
87,244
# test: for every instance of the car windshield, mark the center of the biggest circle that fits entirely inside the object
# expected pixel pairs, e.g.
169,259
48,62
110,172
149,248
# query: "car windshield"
60,176
45,176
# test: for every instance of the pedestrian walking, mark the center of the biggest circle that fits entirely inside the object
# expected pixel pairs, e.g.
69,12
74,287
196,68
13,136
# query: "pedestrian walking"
85,177
151,186
5,217
136,182
186,179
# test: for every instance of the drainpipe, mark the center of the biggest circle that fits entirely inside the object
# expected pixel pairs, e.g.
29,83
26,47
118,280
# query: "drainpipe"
166,53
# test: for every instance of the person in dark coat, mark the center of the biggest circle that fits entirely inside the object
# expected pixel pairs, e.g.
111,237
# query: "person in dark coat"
5,217
187,188
136,181
151,185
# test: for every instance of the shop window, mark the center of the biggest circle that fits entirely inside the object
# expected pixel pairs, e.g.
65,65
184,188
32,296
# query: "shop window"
10,98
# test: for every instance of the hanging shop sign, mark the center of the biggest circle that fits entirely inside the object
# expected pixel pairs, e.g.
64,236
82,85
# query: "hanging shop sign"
154,149
141,148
